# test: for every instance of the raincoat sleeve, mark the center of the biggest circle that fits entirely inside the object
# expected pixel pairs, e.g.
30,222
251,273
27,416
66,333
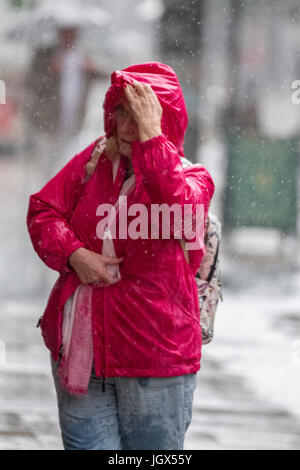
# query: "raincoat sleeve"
49,212
158,167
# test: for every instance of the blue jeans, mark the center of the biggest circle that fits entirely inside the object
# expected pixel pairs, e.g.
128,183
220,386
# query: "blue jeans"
134,413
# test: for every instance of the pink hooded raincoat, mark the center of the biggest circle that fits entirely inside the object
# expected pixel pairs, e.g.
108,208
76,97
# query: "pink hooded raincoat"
147,324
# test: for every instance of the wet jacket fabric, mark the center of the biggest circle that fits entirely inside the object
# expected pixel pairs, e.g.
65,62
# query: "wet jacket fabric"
148,323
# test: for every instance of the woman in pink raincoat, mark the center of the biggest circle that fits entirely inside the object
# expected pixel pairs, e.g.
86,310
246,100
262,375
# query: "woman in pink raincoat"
122,320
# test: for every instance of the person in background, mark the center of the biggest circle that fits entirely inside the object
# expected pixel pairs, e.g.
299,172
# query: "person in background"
57,86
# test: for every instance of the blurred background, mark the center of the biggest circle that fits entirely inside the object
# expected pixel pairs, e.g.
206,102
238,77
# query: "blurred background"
237,62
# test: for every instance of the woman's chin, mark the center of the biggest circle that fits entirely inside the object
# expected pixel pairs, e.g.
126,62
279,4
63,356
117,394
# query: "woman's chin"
125,150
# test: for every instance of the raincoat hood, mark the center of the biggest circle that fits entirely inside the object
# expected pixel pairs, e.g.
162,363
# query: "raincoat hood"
166,86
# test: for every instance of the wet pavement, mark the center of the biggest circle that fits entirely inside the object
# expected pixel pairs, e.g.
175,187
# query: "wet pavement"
247,394
248,387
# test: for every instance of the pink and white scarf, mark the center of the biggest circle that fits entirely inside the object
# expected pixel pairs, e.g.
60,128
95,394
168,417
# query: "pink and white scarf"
77,340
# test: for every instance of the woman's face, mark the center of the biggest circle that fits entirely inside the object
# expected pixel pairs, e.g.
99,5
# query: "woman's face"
127,129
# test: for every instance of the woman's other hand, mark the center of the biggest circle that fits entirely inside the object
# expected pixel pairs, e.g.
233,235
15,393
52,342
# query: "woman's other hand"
146,109
90,267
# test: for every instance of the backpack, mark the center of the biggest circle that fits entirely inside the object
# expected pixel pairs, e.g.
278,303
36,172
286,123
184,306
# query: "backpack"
208,276
208,279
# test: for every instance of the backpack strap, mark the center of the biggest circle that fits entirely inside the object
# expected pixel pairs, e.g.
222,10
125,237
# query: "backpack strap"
213,267
182,241
90,168
92,163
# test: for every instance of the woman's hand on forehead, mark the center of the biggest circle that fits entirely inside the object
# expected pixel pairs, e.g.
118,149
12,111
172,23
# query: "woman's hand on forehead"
146,109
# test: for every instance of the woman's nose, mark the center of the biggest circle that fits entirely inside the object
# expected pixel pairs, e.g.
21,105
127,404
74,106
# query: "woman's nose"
129,125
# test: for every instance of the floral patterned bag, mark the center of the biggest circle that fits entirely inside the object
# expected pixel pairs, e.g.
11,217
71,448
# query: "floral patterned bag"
208,277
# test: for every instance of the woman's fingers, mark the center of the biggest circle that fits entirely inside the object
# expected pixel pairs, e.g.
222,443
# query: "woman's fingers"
91,268
152,94
102,280
130,96
127,89
146,108
135,90
138,99
143,90
112,261
138,86
148,90
109,279
130,91
127,93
